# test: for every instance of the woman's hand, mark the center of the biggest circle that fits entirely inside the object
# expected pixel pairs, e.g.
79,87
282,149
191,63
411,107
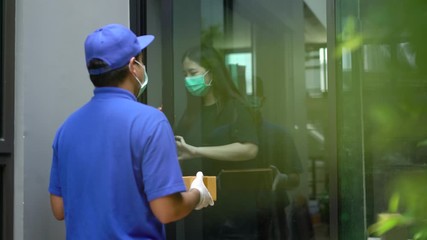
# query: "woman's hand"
185,151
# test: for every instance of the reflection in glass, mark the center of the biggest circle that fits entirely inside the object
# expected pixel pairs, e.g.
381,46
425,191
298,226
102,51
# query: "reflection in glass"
273,102
241,62
217,132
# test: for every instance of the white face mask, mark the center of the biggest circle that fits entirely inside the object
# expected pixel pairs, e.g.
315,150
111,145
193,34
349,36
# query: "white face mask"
143,85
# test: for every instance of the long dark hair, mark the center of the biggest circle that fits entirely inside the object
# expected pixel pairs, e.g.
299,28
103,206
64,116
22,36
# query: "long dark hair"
222,86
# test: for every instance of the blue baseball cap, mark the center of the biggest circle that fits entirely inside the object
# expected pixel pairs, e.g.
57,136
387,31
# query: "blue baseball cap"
115,44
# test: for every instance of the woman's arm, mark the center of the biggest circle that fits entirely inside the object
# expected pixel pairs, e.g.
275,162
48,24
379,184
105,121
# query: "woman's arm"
229,152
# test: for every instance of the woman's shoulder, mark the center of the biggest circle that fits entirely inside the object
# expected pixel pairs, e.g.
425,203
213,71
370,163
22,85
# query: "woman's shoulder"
236,107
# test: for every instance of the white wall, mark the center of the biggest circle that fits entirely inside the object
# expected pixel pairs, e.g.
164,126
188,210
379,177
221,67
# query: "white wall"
319,9
51,82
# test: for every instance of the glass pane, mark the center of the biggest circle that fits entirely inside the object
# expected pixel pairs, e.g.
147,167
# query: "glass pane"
382,114
1,79
251,90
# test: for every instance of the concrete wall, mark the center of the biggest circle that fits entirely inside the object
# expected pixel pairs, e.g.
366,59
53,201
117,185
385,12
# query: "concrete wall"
51,82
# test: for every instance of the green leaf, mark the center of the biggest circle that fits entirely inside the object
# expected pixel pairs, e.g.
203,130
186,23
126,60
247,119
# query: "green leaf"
420,235
393,204
385,224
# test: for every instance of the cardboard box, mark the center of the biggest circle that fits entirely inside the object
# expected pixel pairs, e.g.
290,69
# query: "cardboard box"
209,181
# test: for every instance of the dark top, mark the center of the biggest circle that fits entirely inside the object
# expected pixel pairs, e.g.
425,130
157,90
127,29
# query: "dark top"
212,127
277,147
234,123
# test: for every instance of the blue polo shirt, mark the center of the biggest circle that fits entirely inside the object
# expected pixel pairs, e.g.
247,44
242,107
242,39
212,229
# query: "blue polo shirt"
110,159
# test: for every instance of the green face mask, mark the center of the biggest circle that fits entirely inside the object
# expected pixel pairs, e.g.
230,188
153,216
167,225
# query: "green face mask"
196,85
143,85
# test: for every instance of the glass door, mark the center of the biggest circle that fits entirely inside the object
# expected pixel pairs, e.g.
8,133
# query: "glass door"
254,74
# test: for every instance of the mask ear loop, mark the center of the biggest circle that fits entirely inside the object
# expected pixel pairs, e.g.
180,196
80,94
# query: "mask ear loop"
145,73
210,82
137,79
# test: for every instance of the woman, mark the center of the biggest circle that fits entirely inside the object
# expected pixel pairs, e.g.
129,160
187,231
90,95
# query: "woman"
217,131
217,126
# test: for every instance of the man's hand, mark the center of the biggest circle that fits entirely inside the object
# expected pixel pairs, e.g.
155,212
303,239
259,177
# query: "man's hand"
185,151
205,196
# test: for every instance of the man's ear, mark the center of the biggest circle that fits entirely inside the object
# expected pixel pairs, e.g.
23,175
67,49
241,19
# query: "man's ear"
132,65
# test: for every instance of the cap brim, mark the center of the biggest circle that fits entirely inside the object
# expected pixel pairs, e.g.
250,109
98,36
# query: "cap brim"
145,40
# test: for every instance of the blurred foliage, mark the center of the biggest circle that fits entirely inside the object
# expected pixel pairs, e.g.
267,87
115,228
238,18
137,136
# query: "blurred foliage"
386,22
396,117
212,34
394,88
383,93
407,207
350,38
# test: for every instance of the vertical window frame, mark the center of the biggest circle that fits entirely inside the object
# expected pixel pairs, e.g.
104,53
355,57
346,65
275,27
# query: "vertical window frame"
7,125
8,75
138,24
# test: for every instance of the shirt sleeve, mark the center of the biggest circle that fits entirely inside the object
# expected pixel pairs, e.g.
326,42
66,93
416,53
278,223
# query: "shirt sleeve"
161,172
54,183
